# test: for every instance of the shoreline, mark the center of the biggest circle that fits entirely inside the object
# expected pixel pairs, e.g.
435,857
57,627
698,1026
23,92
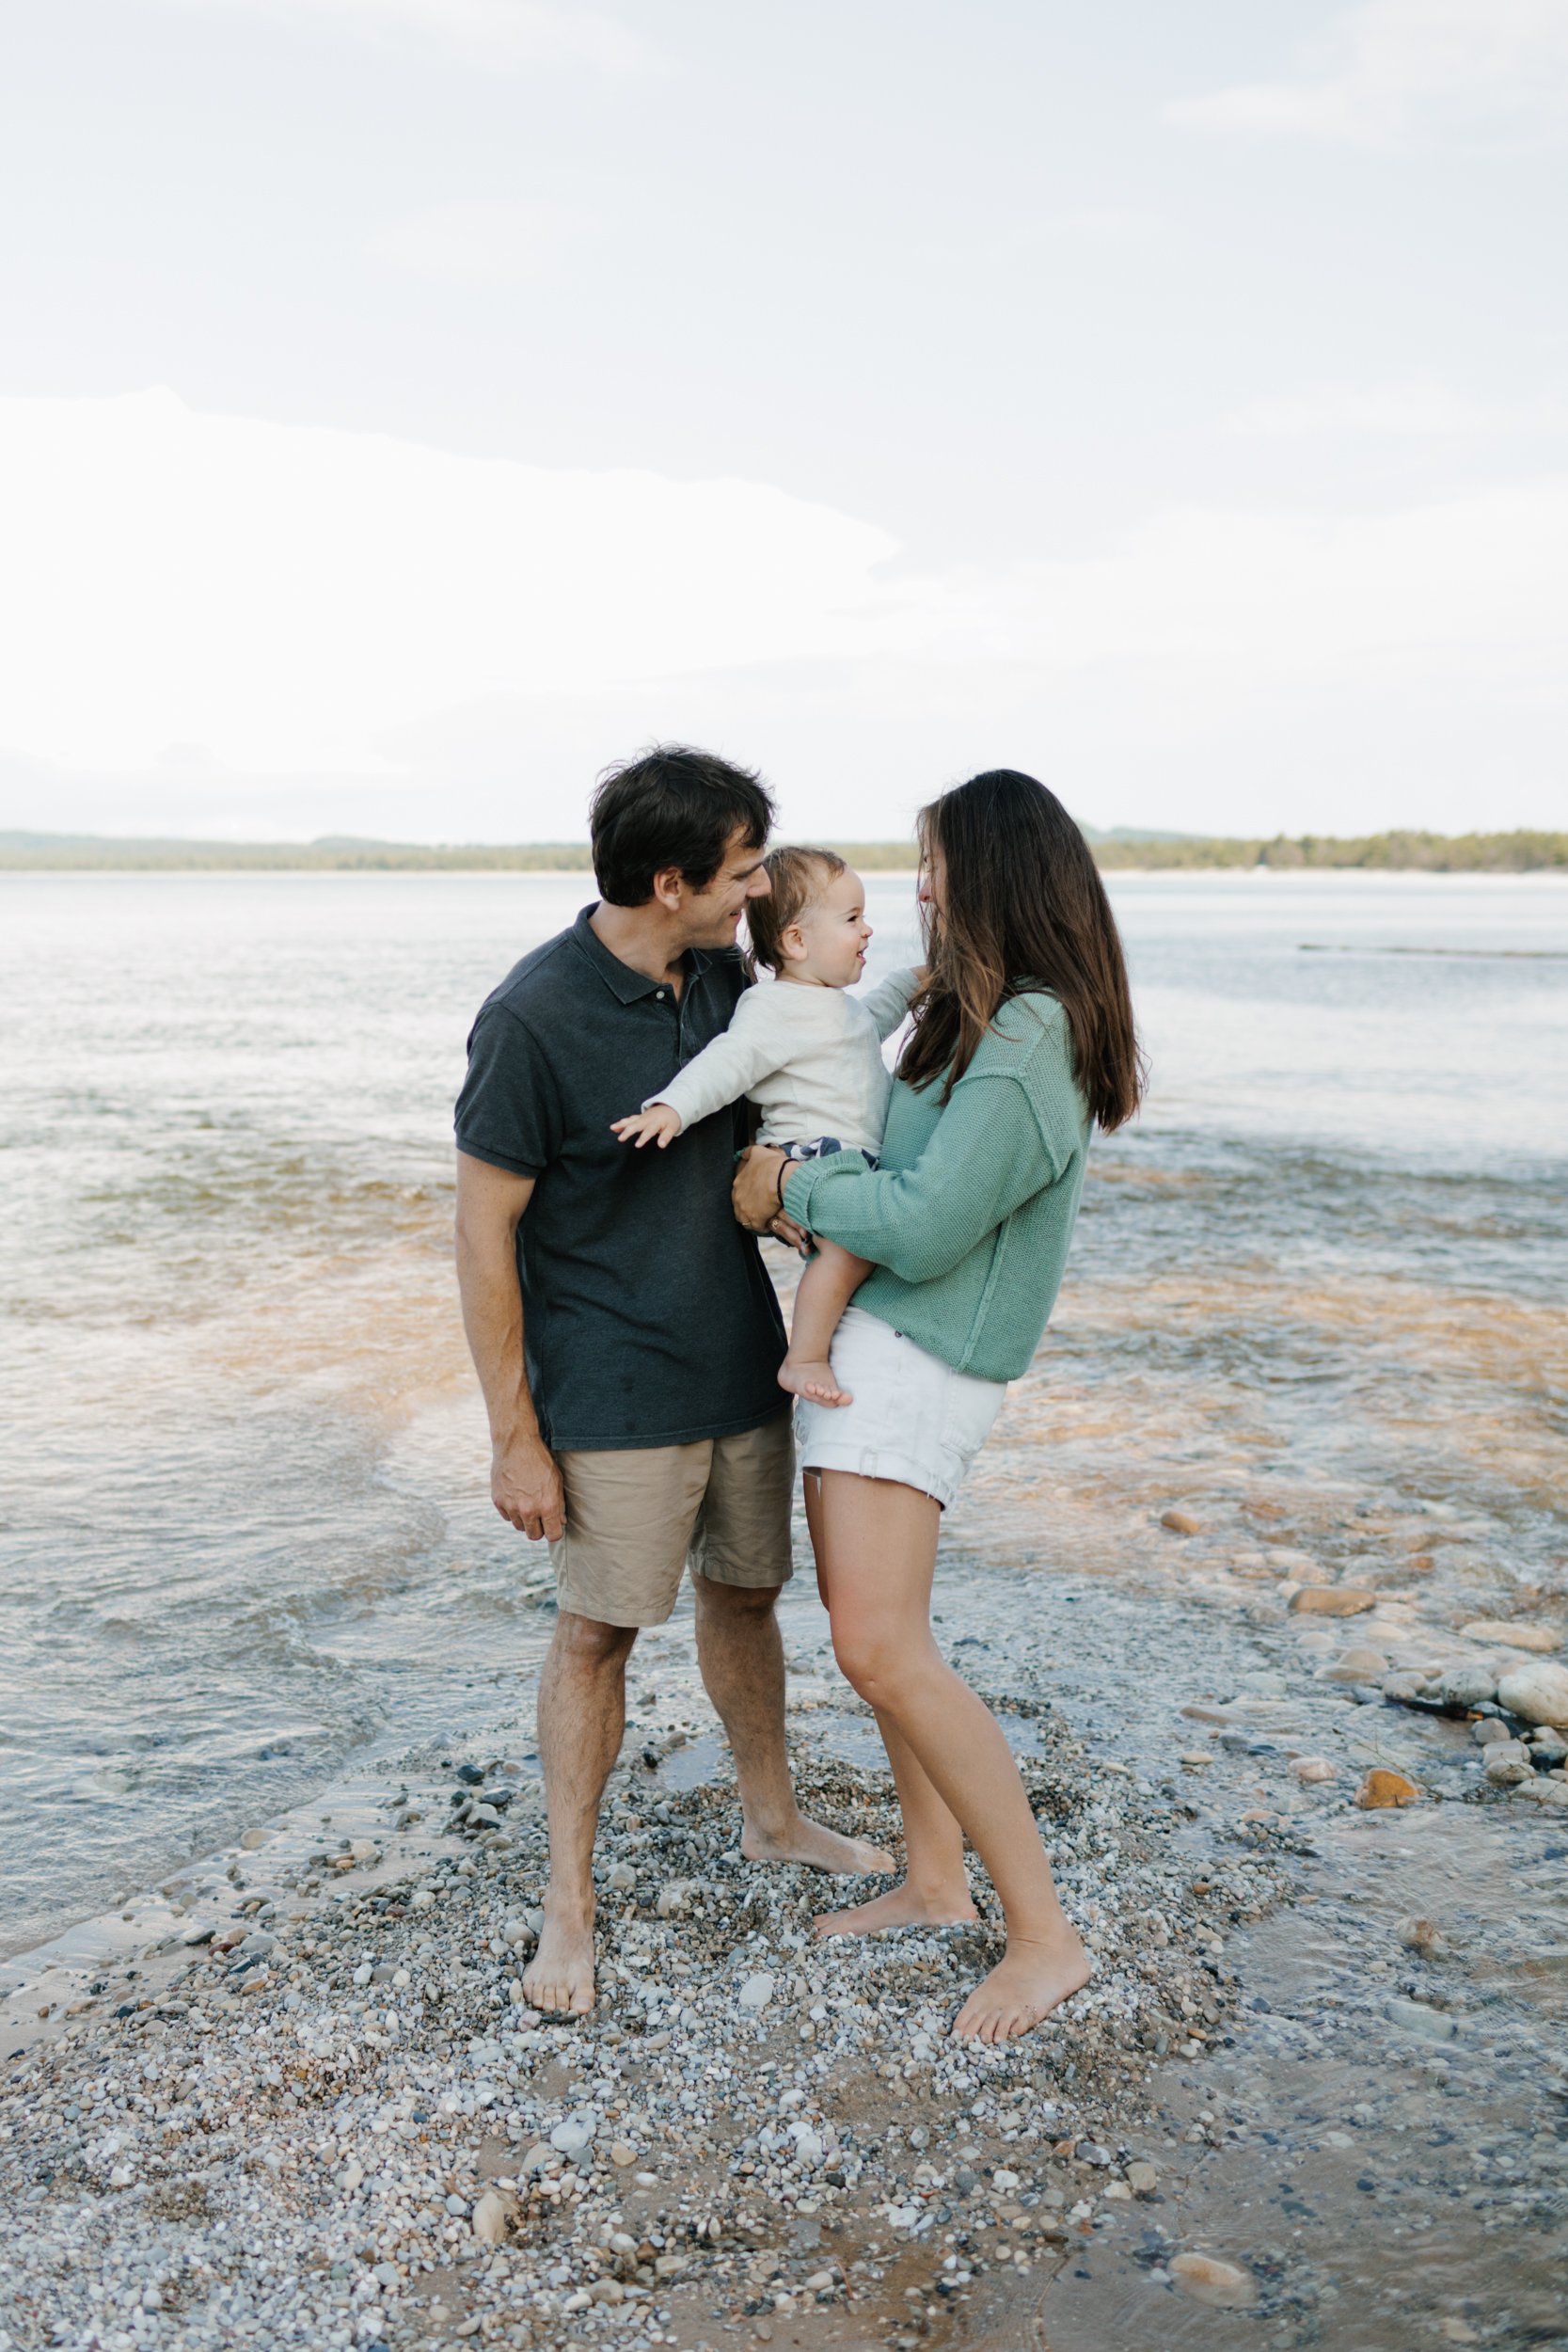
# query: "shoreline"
758,2138
1556,874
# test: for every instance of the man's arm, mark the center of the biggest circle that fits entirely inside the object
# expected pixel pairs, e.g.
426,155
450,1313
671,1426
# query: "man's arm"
524,1484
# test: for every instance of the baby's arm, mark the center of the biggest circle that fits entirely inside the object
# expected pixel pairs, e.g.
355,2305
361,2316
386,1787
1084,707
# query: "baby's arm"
659,1124
890,1000
755,1044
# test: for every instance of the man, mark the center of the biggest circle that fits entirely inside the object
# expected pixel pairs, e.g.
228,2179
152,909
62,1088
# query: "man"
624,1331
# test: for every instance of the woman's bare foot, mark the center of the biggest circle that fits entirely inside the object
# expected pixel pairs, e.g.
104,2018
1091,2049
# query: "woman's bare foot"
560,1974
1028,1981
900,1907
802,1377
820,1849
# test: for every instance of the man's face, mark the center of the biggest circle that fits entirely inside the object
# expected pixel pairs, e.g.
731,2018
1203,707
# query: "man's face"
713,915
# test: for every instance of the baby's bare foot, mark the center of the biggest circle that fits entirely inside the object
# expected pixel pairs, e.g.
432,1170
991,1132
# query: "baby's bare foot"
560,1974
1026,1984
803,1377
900,1907
820,1849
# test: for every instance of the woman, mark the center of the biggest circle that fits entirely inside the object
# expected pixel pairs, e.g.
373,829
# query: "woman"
1022,1040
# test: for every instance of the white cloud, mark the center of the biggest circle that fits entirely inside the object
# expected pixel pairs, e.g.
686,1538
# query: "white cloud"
477,245
1389,73
286,597
182,595
1477,583
511,32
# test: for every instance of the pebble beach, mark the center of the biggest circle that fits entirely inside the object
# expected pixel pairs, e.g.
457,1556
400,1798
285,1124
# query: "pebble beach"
297,2097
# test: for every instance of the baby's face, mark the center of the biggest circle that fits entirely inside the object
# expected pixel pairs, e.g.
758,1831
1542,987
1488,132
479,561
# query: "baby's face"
835,930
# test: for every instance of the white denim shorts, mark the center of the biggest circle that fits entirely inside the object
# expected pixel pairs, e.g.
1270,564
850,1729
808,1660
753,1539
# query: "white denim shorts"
913,1418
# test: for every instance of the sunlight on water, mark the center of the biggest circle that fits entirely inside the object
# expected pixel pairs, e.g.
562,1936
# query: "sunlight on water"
243,1504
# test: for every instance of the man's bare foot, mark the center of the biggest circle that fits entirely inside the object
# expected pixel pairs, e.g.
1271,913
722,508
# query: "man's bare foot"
560,1974
820,1849
1026,1984
802,1377
901,1907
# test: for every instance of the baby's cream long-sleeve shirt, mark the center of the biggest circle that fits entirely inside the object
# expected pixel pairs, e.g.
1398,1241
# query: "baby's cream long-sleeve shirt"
809,1057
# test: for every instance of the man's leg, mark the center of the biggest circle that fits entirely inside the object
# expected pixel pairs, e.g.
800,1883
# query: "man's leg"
741,1657
582,1715
629,1516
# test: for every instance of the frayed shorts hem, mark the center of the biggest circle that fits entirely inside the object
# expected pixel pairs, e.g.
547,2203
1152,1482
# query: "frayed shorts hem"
901,1469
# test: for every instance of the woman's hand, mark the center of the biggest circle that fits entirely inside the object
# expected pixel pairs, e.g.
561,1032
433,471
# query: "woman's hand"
756,1193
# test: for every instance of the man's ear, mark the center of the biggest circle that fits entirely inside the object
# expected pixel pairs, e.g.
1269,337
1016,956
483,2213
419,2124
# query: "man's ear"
670,889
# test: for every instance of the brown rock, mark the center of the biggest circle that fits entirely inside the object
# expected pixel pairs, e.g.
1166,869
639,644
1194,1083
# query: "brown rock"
1208,2281
1421,1935
1181,1523
1331,1601
1382,1787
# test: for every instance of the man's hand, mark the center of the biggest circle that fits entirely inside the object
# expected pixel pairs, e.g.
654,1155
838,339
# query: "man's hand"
755,1195
525,1487
659,1124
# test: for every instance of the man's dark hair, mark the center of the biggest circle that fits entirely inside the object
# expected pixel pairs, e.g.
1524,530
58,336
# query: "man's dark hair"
672,806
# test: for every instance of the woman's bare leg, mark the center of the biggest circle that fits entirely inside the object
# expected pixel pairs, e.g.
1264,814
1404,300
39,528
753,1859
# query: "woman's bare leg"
826,1288
936,1887
875,1548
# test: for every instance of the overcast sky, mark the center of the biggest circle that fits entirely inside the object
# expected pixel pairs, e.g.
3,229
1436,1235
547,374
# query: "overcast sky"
407,406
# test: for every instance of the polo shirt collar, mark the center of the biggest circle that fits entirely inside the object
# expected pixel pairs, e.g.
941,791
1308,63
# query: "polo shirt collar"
628,985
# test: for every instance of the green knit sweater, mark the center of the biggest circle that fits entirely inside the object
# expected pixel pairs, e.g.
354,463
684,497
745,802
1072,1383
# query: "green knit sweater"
968,1220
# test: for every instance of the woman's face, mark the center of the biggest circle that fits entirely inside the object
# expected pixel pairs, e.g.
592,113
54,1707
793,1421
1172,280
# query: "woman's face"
932,891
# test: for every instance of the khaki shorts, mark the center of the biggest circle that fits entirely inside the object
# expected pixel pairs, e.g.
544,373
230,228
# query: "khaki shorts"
636,1518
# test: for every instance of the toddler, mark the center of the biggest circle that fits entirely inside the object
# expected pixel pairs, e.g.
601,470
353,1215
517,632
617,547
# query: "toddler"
808,1056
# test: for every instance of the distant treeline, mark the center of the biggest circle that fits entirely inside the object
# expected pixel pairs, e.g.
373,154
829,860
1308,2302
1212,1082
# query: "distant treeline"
1388,853
1419,853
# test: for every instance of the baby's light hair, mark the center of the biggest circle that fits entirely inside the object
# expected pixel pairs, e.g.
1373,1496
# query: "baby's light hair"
798,875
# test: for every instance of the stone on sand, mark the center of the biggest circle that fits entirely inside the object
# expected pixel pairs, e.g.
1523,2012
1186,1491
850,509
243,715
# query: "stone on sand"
1209,2281
1181,1523
1331,1601
1313,1768
1467,1686
1383,1788
1538,1694
1536,1637
493,2216
1356,1665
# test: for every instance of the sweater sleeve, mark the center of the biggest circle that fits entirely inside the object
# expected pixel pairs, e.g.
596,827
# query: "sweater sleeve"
986,1156
755,1043
890,1000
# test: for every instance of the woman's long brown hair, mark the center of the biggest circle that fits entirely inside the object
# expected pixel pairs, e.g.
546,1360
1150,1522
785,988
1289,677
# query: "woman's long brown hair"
1025,909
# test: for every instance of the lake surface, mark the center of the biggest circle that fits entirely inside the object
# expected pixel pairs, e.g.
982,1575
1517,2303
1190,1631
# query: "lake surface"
245,1526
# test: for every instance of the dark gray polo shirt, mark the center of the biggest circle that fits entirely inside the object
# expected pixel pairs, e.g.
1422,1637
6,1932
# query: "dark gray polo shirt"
648,1317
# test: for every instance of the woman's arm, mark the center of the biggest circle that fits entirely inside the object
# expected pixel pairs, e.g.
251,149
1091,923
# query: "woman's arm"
986,1156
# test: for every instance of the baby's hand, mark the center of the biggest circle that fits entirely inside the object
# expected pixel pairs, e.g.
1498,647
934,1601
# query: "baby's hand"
659,1124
